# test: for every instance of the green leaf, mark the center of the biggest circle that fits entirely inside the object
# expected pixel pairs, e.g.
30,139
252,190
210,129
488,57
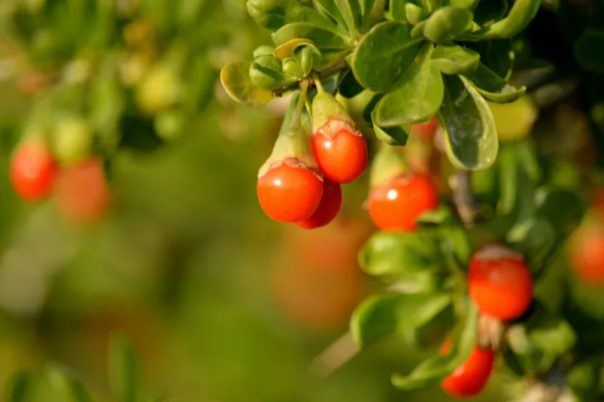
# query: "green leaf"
583,379
493,87
384,316
469,4
275,14
535,238
564,209
521,14
329,7
432,371
416,96
394,253
20,387
587,50
266,72
415,14
351,11
470,133
348,86
235,78
446,23
286,50
549,333
440,216
397,135
398,10
69,388
383,54
490,11
496,55
124,370
433,332
454,60
324,39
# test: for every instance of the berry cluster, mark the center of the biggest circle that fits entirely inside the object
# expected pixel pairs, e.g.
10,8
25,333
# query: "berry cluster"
80,188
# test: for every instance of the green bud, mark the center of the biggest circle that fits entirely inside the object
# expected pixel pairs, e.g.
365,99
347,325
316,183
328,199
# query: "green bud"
293,69
72,140
266,72
446,23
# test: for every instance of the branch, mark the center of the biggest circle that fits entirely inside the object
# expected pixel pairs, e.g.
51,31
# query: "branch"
335,356
321,75
465,202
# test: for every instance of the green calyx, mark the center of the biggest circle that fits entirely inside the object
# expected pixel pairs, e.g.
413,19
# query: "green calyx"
387,166
327,113
292,148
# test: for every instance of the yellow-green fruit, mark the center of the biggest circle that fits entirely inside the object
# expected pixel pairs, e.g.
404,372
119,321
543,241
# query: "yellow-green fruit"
158,90
514,120
72,140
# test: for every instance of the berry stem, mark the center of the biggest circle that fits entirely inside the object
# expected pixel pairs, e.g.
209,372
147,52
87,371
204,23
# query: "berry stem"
318,84
465,202
297,119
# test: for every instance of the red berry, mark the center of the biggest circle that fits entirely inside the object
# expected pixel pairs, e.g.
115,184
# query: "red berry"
330,205
500,283
471,377
33,172
343,157
289,193
425,130
586,252
398,204
82,193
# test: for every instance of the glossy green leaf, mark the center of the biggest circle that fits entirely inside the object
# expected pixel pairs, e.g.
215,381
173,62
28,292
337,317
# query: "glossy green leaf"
493,87
417,95
470,133
397,135
235,78
124,370
263,51
454,60
587,50
393,253
322,38
275,14
266,72
564,209
286,50
469,4
446,23
383,54
384,316
433,370
367,6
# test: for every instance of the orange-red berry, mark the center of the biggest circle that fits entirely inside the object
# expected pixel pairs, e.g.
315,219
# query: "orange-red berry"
289,193
33,172
470,378
500,283
397,205
328,208
343,157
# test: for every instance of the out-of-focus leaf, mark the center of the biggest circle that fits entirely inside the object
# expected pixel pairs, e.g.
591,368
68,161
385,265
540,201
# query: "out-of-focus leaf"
383,316
124,370
587,50
235,78
563,208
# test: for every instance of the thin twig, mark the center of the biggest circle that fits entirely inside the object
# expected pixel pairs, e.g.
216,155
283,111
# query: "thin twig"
465,202
335,356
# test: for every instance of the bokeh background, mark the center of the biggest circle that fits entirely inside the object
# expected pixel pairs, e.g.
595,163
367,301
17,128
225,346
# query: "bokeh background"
221,304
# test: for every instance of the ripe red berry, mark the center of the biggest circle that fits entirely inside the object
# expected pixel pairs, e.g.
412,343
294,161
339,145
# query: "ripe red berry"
398,204
342,157
500,283
471,377
586,252
33,172
289,193
82,193
425,130
330,205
